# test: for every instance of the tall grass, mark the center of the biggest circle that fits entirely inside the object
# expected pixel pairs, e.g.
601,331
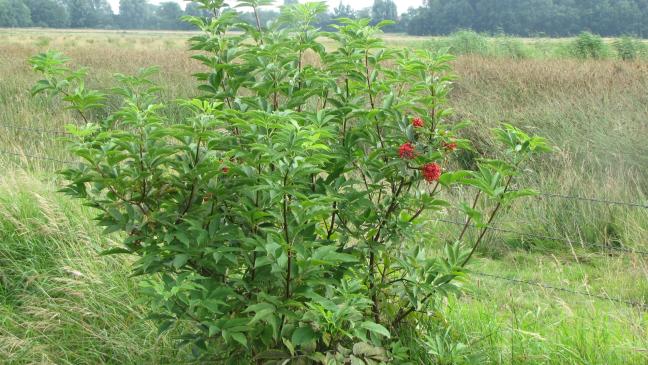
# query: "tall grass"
592,111
60,302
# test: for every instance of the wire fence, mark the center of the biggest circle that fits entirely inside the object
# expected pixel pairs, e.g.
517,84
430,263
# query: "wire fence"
541,194
544,237
15,127
517,281
593,200
34,157
639,305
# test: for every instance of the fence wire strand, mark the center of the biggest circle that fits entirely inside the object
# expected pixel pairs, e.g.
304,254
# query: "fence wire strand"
9,126
35,157
542,194
594,200
551,238
640,305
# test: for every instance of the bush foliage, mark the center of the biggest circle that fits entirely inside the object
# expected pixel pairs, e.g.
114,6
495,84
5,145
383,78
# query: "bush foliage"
280,217
588,45
630,49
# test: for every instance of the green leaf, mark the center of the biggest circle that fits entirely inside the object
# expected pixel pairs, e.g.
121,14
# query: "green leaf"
389,101
115,251
289,346
329,255
164,326
240,338
375,328
512,195
213,330
264,314
454,177
180,260
303,335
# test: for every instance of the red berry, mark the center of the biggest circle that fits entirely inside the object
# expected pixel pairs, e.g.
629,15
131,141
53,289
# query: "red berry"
406,151
449,146
417,122
431,172
225,169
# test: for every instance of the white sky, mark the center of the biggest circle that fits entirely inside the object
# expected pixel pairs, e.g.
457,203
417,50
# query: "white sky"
356,4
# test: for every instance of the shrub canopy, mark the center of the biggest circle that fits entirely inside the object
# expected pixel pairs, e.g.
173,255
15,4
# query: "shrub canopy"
284,213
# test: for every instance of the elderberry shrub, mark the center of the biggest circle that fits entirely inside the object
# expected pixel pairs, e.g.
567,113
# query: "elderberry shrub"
280,216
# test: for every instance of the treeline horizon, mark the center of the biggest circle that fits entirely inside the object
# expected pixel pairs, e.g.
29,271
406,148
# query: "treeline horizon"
553,18
530,17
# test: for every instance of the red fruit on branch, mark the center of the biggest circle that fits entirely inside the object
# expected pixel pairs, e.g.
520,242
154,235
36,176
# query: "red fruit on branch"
449,146
406,151
418,123
431,171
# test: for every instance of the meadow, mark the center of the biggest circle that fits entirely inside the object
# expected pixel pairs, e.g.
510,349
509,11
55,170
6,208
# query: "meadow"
62,303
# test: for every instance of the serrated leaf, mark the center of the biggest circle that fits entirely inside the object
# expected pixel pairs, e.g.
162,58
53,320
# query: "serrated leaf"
303,335
375,328
114,251
239,337
180,260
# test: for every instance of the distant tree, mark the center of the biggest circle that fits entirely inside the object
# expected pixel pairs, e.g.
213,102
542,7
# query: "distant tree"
457,15
624,17
531,17
81,13
195,9
384,10
343,11
364,13
415,22
14,13
151,19
48,13
103,13
324,21
134,14
168,14
89,13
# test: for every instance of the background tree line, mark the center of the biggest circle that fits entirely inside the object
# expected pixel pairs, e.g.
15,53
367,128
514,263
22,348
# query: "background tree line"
435,17
530,17
140,14
133,14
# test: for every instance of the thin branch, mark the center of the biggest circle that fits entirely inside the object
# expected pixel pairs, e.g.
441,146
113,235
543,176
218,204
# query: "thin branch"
469,219
284,213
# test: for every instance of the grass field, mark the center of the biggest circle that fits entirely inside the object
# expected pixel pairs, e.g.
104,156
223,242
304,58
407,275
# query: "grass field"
61,303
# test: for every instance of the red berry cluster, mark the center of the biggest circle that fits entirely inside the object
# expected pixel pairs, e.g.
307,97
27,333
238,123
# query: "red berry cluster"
431,171
406,151
449,146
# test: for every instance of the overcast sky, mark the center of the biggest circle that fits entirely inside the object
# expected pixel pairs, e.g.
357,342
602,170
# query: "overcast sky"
357,4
